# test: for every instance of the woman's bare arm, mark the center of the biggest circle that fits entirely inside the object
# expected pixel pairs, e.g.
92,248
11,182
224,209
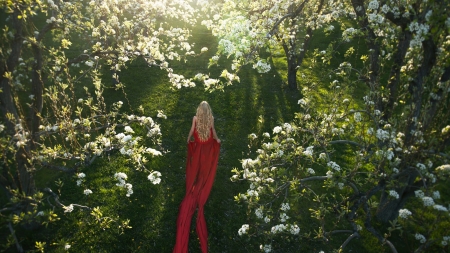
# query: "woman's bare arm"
214,132
192,129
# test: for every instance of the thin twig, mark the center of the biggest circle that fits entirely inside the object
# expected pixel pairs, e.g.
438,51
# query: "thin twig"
18,246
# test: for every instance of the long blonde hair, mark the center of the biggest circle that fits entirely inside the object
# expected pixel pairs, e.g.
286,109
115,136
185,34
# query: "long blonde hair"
204,120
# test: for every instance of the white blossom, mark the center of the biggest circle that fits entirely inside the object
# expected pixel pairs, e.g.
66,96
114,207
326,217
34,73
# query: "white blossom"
309,151
440,208
259,213
243,229
393,194
266,248
294,229
278,228
277,129
382,134
154,177
334,165
329,174
285,206
420,238
357,116
373,5
436,195
404,213
68,209
302,102
427,201
261,66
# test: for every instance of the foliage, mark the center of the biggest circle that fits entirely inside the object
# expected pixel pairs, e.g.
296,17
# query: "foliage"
366,155
53,111
373,153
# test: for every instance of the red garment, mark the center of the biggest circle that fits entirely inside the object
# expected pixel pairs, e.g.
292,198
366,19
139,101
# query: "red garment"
201,167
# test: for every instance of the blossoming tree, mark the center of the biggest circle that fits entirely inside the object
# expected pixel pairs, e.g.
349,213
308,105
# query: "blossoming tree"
45,121
245,28
381,157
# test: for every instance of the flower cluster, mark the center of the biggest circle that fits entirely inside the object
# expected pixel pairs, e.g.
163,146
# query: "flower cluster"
80,178
68,209
154,177
445,240
121,177
382,135
243,230
266,248
440,208
285,206
436,195
259,213
278,228
283,217
294,229
419,193
277,129
420,238
357,116
420,31
349,33
427,201
394,194
334,166
404,213
262,66
309,151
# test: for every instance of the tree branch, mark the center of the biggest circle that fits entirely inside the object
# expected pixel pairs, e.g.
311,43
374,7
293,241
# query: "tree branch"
60,168
416,86
346,142
394,80
352,236
371,229
313,178
337,232
18,246
436,102
291,14
56,198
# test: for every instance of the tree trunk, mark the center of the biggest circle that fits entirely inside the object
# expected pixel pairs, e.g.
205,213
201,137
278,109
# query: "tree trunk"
292,73
388,208
16,174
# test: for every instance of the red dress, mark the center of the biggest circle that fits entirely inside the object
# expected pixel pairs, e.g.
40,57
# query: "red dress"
201,167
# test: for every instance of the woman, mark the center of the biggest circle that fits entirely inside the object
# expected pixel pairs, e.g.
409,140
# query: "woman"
201,164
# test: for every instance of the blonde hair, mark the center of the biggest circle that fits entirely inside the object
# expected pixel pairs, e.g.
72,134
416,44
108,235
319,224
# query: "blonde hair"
204,120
